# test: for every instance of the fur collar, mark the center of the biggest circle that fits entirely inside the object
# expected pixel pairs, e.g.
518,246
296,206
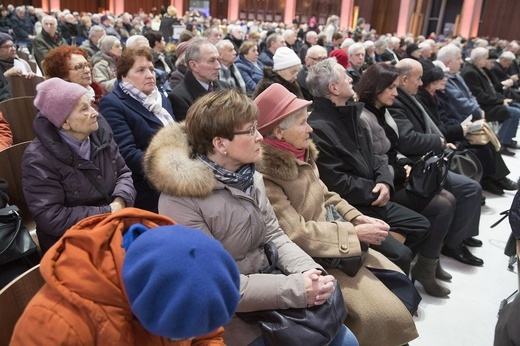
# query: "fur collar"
281,164
170,166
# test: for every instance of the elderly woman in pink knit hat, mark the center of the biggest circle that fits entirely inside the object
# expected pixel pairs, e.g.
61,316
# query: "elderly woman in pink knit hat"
72,169
284,72
326,226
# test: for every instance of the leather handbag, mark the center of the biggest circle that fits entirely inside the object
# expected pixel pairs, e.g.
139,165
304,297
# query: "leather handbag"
15,240
349,265
466,163
429,173
317,325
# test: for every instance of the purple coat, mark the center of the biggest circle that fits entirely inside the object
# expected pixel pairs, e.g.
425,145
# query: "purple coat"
55,186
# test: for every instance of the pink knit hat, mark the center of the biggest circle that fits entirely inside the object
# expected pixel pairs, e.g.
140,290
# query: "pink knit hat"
56,98
341,56
274,104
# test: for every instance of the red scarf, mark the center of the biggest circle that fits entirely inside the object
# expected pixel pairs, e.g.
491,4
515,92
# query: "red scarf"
298,153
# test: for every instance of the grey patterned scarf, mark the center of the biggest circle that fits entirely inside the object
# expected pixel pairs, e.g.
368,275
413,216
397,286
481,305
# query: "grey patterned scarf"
241,179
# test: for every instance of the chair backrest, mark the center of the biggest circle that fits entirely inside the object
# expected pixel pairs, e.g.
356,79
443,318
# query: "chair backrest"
14,298
11,170
21,86
22,55
20,113
33,66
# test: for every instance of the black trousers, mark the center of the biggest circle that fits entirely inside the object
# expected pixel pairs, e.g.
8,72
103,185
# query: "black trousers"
403,220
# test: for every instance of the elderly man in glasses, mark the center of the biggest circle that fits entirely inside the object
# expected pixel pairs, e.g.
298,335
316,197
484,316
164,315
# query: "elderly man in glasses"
315,54
10,64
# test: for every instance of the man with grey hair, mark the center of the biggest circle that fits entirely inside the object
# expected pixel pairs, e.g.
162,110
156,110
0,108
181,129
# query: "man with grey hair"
497,106
272,43
215,34
229,73
419,135
311,39
202,77
235,35
315,54
95,34
356,55
23,29
347,163
291,41
425,49
501,70
47,39
69,28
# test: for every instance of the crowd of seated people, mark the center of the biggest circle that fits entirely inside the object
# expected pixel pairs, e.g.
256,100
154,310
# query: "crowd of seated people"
175,126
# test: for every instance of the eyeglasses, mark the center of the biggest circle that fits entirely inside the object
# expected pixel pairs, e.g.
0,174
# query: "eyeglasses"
82,66
9,46
251,131
320,58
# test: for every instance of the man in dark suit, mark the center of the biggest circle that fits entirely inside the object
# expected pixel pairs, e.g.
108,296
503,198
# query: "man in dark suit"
356,55
418,134
497,107
203,63
315,54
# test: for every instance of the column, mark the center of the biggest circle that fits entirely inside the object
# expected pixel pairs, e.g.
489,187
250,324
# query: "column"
178,4
49,5
232,10
116,7
470,17
345,16
290,11
404,16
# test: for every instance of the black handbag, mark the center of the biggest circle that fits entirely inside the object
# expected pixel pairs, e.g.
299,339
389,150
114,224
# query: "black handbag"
18,252
429,173
349,265
317,325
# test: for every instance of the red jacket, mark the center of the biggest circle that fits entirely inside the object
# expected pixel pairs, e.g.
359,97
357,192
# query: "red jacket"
83,301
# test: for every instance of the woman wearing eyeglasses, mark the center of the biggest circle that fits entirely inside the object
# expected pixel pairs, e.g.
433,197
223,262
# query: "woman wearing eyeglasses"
72,169
71,64
136,110
104,62
206,174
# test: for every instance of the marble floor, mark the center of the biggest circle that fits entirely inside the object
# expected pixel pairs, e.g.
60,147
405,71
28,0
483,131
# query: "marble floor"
469,315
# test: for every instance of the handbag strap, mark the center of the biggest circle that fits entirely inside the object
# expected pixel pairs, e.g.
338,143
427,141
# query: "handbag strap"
97,186
18,227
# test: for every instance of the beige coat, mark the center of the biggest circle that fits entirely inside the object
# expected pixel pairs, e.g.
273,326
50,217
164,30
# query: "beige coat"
243,223
376,316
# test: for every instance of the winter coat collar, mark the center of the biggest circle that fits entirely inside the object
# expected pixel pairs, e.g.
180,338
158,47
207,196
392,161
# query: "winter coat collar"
48,135
171,167
281,164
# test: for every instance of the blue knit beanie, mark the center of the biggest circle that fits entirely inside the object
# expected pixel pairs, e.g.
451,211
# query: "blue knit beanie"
180,282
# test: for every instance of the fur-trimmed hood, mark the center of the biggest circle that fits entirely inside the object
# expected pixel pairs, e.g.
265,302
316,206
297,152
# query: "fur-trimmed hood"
170,166
281,164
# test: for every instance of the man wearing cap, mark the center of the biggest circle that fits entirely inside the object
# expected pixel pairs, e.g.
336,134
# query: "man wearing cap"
413,51
106,23
348,165
418,135
47,39
10,64
272,43
151,283
229,73
315,54
202,59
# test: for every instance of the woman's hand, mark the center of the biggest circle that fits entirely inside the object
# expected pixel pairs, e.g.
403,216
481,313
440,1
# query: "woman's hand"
117,204
318,287
370,234
363,219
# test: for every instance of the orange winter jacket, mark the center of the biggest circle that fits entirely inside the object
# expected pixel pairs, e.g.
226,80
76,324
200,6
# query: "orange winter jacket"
83,301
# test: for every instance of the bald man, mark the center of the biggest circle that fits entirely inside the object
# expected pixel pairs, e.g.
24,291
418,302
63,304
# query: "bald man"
418,134
315,54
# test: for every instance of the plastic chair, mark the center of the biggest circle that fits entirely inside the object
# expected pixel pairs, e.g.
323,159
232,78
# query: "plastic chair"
21,86
20,113
14,298
11,170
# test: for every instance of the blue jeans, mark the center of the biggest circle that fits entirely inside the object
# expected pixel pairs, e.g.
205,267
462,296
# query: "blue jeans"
344,338
509,126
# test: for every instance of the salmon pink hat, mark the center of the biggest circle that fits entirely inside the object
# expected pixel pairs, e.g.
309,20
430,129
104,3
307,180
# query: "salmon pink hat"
275,104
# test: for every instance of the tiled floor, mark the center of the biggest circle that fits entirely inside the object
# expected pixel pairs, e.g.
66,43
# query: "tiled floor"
469,316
